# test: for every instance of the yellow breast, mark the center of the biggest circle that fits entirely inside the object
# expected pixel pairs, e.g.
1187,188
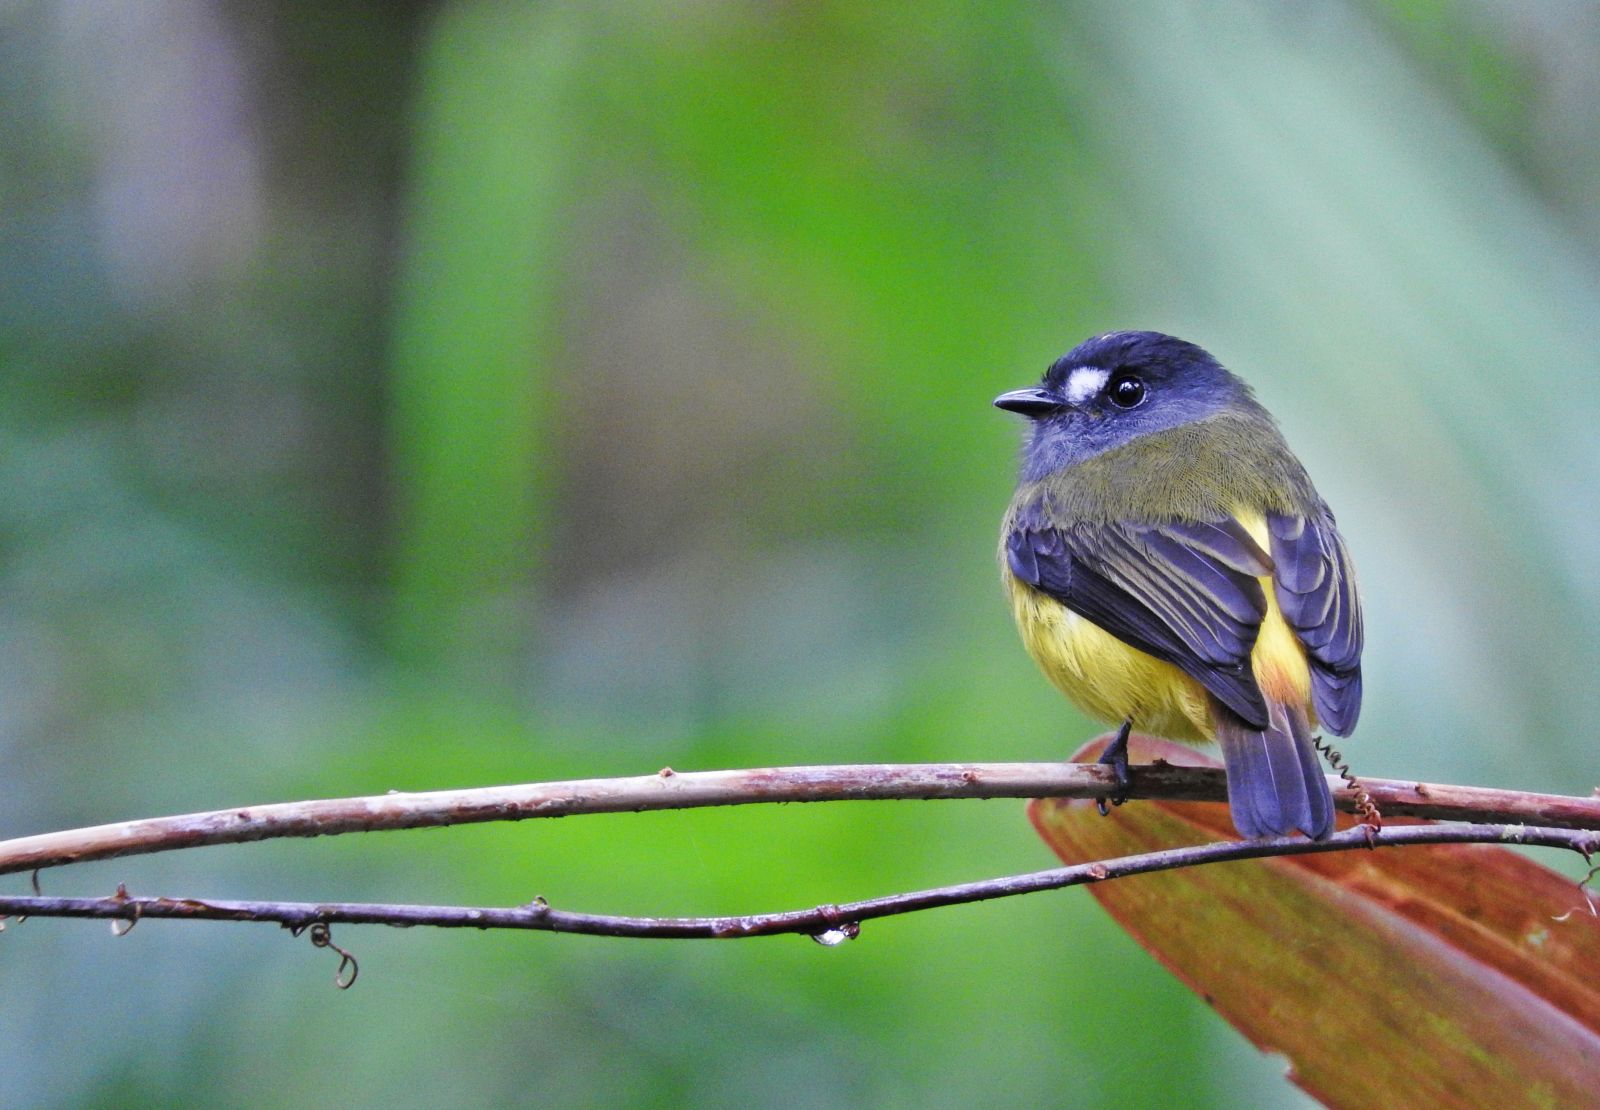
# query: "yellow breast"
1112,681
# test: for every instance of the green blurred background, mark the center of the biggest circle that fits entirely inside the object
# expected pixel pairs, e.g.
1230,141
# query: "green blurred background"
430,395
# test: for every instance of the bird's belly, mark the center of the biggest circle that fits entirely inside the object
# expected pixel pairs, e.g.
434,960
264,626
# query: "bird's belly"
1105,677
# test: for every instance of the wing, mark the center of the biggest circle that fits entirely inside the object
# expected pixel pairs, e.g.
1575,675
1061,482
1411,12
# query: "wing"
1184,593
1316,587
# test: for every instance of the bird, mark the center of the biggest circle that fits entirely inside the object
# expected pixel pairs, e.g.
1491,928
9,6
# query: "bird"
1171,568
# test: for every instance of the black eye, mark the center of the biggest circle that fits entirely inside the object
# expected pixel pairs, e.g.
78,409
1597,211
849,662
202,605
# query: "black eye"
1125,391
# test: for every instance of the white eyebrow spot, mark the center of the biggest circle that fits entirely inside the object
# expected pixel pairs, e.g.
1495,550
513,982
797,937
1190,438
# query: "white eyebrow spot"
1085,382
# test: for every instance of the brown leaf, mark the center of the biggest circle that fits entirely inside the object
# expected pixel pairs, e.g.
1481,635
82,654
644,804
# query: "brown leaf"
1431,975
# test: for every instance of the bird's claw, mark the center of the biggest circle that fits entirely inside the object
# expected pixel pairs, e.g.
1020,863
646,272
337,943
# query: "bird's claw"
1116,757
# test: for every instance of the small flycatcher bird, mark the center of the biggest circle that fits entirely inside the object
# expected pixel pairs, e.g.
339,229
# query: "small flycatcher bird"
1172,568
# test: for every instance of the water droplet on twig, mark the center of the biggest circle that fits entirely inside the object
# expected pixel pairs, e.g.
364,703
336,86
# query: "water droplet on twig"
832,938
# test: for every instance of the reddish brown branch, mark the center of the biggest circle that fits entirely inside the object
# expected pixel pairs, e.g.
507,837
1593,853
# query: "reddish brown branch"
669,790
830,923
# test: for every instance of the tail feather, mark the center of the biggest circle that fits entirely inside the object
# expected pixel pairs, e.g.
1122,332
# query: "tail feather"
1275,779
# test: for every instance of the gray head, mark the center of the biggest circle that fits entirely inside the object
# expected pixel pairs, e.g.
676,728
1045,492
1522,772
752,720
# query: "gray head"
1114,388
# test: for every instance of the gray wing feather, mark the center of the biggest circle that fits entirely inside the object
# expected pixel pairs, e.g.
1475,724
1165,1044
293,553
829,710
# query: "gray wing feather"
1186,593
1316,589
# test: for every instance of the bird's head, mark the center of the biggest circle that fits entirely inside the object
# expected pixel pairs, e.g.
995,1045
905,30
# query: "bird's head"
1115,388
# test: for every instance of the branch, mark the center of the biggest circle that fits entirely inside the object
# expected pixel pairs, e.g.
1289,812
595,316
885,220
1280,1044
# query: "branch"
691,790
829,924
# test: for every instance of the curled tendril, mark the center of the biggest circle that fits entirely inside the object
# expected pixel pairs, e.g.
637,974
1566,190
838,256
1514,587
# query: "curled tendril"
1586,889
321,935
1366,808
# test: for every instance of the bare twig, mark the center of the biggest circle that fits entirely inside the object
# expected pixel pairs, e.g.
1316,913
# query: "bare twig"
1543,820
671,790
829,923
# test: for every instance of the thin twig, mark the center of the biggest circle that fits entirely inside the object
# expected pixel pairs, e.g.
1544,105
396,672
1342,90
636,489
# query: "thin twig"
690,790
827,923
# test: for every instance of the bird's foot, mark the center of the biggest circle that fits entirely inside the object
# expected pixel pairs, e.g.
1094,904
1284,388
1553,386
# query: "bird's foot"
1116,757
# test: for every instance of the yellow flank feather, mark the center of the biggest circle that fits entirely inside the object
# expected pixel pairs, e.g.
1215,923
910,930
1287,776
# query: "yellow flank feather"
1111,681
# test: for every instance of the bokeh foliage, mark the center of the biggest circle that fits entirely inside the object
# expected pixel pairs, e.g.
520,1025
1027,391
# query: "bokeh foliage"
424,395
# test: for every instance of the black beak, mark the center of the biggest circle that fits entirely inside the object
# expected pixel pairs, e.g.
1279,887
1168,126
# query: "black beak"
1032,403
